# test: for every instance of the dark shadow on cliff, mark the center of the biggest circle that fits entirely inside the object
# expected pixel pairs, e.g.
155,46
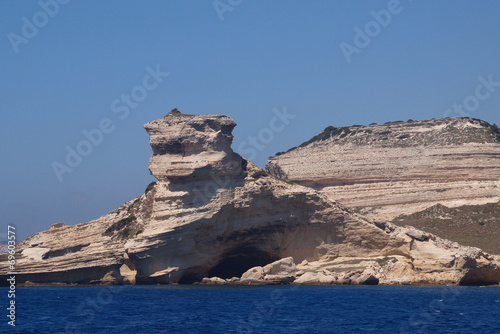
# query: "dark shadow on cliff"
202,191
235,262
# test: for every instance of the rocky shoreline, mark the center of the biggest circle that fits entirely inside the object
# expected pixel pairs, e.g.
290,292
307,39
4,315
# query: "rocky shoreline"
216,218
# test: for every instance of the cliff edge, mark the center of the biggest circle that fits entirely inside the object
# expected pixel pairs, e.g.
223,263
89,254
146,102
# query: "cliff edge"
215,217
399,168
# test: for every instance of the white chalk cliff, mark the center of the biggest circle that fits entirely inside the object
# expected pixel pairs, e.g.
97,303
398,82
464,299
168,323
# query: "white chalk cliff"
386,170
215,217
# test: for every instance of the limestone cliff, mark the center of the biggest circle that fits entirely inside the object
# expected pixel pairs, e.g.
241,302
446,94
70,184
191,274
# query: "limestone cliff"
398,168
214,214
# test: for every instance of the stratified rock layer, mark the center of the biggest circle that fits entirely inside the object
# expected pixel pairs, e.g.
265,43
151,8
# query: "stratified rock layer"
401,167
213,217
179,152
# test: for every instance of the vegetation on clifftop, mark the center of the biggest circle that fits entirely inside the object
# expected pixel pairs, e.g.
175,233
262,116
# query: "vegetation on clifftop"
492,128
123,226
393,134
470,225
328,132
150,187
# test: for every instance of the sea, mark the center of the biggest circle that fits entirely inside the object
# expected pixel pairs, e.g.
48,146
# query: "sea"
253,309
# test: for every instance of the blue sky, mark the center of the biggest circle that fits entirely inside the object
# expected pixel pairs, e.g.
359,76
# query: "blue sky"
64,66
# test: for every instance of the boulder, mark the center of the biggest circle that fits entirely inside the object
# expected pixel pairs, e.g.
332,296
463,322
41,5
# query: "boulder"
284,267
213,280
417,235
253,274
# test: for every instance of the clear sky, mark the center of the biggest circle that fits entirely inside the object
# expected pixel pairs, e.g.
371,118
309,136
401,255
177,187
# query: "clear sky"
70,67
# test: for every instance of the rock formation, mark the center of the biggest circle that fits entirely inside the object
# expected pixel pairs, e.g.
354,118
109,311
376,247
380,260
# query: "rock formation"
471,225
384,171
215,217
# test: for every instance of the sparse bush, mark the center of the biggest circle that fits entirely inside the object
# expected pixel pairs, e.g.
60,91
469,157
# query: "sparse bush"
346,131
125,233
385,260
494,131
120,225
150,187
484,123
329,131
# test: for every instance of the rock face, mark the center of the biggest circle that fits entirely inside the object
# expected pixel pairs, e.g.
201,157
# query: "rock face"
180,152
398,168
216,218
471,225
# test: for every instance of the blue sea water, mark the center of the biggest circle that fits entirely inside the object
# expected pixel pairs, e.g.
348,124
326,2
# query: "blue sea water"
254,309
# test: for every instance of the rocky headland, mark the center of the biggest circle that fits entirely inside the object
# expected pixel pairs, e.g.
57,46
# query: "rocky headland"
214,217
399,168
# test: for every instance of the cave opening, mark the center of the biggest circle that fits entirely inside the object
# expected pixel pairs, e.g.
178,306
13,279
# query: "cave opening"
480,277
235,262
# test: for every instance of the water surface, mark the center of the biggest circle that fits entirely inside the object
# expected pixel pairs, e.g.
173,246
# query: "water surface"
254,309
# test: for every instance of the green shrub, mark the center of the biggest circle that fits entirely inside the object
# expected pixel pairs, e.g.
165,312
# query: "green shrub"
386,260
345,132
125,233
484,123
150,187
120,225
494,131
329,131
